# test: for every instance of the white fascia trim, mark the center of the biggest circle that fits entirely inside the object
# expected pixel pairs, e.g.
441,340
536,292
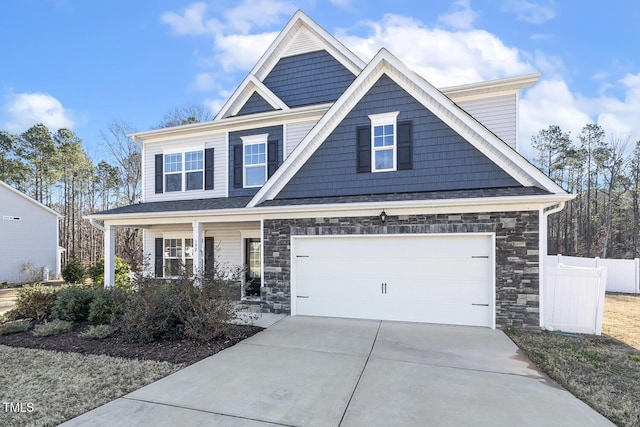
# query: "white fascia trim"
477,204
268,95
29,199
438,103
510,84
243,93
230,124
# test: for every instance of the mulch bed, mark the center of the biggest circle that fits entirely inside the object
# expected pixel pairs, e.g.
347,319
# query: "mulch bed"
184,351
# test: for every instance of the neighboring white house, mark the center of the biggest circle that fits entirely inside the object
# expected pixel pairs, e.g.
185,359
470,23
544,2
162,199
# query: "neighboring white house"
28,234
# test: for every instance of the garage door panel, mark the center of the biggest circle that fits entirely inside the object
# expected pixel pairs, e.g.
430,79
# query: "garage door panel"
438,279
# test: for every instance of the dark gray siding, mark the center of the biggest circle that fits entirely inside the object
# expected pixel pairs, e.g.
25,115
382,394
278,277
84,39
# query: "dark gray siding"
442,159
275,133
255,104
310,78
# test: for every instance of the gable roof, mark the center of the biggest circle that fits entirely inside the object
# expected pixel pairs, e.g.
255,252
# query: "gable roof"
29,199
300,35
439,104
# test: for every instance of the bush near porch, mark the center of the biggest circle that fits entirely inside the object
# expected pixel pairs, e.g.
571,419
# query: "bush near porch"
150,309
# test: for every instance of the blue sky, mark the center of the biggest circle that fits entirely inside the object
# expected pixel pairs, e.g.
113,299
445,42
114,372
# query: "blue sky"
84,64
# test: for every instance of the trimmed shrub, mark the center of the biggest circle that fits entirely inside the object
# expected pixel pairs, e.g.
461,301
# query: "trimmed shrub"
108,305
36,301
74,271
15,326
122,273
73,303
97,332
55,327
197,308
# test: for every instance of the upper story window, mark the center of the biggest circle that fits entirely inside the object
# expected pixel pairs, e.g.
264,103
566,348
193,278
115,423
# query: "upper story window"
254,149
173,172
383,142
194,170
184,171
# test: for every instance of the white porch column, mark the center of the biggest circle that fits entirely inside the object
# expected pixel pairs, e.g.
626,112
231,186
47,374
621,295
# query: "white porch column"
198,255
109,255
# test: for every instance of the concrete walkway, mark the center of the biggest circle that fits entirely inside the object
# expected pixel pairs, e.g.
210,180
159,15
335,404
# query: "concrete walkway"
308,371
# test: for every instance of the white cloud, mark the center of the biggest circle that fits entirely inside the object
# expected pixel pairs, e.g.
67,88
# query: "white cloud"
192,21
530,12
241,52
236,45
551,102
27,109
462,18
204,82
246,16
621,117
444,58
252,14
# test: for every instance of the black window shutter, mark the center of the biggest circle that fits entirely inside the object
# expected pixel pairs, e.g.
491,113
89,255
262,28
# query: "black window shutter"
272,157
209,260
159,159
158,257
208,169
237,167
364,149
405,146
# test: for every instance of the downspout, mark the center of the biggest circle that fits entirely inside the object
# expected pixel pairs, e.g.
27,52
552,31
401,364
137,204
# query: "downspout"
543,256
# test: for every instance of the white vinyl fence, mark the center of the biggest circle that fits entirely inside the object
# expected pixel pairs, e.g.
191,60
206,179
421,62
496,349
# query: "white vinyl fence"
623,275
574,299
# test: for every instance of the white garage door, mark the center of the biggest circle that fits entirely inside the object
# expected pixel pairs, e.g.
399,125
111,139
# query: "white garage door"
435,279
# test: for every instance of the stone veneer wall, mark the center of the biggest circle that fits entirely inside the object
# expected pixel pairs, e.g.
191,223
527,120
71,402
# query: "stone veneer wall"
517,278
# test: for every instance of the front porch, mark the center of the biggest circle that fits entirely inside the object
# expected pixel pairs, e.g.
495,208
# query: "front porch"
200,246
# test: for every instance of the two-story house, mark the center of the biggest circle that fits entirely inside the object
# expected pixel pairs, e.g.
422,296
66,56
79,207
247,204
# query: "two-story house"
351,189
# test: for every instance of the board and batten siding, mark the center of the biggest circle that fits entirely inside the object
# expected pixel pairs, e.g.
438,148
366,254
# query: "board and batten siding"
295,133
498,114
216,141
227,240
29,234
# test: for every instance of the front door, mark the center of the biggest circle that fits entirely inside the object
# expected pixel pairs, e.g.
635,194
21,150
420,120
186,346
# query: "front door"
253,258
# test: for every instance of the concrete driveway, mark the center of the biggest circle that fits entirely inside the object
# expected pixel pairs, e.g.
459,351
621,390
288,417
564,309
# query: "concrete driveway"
309,371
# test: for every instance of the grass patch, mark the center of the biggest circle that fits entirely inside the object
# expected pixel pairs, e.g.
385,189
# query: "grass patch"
600,370
55,327
97,332
15,326
62,386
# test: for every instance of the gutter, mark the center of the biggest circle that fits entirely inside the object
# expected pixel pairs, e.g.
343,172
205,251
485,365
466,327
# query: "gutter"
94,223
345,207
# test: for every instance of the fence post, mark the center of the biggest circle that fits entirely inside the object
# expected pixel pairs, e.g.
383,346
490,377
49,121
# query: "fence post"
637,270
597,263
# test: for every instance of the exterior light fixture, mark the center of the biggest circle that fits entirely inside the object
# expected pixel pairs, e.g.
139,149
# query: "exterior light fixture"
383,217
